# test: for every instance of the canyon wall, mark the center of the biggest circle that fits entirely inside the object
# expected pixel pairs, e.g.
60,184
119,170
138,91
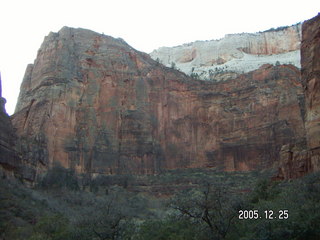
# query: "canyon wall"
9,158
12,164
235,53
95,104
310,61
297,160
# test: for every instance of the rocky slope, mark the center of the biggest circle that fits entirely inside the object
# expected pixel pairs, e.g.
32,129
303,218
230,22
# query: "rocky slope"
93,103
235,53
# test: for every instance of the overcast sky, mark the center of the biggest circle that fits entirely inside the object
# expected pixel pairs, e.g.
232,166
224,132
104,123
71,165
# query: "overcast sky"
144,24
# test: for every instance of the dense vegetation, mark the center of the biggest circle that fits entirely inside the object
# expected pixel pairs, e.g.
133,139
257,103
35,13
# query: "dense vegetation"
181,204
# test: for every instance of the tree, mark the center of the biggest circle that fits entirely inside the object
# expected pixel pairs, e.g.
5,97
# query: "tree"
212,207
158,61
107,218
195,75
59,177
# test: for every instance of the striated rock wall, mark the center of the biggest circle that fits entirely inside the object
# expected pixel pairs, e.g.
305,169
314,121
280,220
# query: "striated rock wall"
11,164
294,161
297,160
310,62
235,53
93,103
9,158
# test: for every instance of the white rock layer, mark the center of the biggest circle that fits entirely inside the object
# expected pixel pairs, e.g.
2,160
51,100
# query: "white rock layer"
238,53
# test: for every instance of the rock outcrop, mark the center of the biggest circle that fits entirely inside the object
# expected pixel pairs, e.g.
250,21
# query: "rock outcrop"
294,161
93,103
9,158
235,53
310,61
297,160
12,165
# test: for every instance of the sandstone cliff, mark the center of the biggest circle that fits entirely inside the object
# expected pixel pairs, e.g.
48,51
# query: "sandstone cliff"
310,60
93,103
235,53
9,159
297,160
11,162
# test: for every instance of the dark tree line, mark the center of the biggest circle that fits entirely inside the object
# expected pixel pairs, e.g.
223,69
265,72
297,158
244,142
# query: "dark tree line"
62,209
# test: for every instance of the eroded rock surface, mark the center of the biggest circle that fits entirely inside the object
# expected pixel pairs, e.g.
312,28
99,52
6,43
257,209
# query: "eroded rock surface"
9,158
93,103
235,53
310,61
299,159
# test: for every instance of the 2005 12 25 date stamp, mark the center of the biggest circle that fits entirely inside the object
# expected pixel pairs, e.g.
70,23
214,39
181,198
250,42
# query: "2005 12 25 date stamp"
266,214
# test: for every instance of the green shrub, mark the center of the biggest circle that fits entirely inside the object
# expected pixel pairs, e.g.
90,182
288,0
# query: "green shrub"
55,227
265,189
168,229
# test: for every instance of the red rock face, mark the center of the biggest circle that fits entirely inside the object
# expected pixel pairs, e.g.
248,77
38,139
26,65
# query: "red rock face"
297,160
11,164
310,63
93,103
9,161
